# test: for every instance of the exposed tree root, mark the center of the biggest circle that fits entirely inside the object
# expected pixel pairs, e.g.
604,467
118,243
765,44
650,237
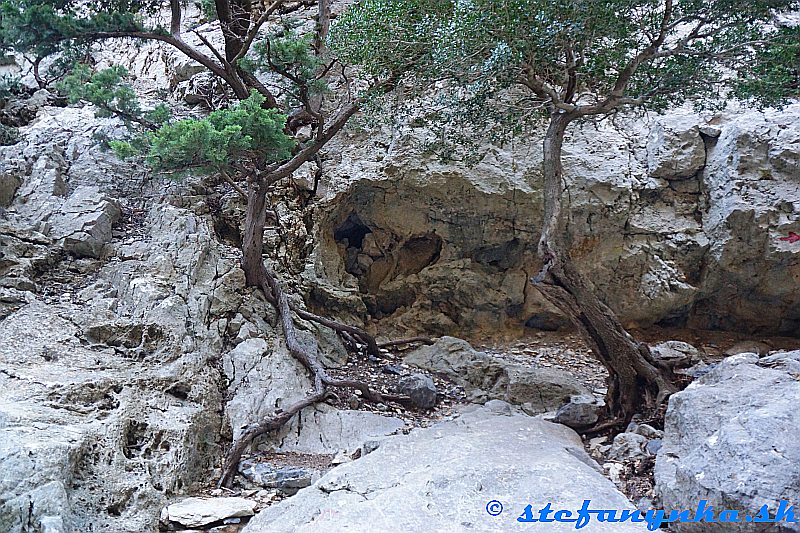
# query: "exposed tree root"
410,340
322,381
352,334
636,379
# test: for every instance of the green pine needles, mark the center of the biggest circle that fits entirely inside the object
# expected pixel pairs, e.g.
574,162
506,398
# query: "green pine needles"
245,135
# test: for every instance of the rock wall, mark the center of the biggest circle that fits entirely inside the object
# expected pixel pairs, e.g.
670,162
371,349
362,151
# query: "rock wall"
676,219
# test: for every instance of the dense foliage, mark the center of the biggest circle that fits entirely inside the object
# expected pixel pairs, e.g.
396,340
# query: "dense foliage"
111,94
62,31
500,62
244,134
43,27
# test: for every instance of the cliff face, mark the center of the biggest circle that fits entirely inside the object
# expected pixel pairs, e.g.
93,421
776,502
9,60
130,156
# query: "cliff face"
677,219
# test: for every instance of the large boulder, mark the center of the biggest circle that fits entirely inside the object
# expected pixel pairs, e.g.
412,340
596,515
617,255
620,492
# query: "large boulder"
731,439
485,376
444,477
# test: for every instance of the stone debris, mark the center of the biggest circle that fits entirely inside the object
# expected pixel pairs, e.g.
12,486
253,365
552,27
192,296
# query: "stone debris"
420,388
580,412
200,512
486,377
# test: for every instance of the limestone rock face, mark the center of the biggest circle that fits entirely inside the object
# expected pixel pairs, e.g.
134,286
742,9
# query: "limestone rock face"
730,438
442,478
673,218
109,396
675,148
84,222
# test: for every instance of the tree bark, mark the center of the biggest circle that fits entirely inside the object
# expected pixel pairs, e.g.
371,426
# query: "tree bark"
636,380
253,238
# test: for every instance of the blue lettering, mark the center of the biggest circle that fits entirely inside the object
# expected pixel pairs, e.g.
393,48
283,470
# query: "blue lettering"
632,516
527,515
704,513
729,516
584,515
654,519
564,516
763,515
607,516
785,513
543,512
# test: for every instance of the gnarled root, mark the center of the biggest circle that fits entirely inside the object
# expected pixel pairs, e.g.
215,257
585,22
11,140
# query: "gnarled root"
270,285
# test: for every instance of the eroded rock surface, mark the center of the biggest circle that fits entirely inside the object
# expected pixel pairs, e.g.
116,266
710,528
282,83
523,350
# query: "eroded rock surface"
730,439
674,218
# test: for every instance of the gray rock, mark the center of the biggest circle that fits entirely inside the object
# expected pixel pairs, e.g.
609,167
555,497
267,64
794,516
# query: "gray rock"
91,438
441,479
730,438
83,225
486,376
199,512
420,388
649,432
264,375
653,445
325,429
23,254
9,183
672,350
628,446
698,370
580,412
499,407
288,478
675,149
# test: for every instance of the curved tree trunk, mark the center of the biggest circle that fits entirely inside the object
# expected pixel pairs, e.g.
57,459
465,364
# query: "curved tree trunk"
636,380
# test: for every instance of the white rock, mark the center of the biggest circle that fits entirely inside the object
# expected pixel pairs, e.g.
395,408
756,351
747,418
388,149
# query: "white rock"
197,512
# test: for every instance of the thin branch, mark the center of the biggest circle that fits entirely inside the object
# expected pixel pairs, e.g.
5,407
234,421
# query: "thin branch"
233,184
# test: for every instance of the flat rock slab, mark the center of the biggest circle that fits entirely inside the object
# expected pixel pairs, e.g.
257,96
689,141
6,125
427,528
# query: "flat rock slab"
442,478
198,512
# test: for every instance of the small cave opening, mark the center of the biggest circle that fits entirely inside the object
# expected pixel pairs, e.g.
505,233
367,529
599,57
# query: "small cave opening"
499,257
417,253
353,230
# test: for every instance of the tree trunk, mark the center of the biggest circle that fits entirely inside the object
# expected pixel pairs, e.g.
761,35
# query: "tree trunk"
234,17
253,238
636,380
